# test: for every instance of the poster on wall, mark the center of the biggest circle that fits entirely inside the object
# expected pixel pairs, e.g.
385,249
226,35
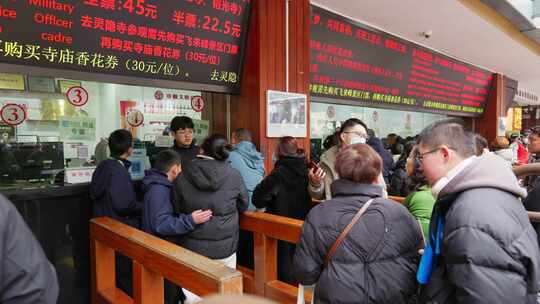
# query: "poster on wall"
202,127
79,128
286,114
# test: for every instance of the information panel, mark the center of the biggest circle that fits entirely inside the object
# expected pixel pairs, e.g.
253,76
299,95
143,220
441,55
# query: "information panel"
197,41
364,65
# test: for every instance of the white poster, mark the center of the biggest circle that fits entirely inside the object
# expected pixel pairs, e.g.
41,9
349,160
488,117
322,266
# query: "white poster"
286,114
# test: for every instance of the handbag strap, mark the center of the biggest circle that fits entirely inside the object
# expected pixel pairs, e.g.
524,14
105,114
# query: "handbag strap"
346,231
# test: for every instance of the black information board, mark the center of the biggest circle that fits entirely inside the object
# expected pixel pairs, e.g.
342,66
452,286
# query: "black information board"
192,41
362,65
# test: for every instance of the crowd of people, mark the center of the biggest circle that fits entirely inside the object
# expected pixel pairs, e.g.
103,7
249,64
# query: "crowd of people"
462,234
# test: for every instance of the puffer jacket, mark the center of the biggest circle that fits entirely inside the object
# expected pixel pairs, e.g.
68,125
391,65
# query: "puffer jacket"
488,250
375,263
210,184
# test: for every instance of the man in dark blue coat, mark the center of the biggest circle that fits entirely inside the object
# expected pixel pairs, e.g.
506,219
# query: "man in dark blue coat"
112,189
159,217
113,195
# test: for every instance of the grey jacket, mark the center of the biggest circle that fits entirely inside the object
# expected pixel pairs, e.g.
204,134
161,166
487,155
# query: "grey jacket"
26,276
489,249
328,162
211,184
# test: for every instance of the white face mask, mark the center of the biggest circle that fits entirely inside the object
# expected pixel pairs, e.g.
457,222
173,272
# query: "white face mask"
357,140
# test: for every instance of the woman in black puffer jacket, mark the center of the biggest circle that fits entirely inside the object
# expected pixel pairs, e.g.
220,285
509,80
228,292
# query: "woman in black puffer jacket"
209,182
284,192
377,260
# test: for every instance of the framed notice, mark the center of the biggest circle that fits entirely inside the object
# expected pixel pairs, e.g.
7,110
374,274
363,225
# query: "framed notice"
286,114
12,82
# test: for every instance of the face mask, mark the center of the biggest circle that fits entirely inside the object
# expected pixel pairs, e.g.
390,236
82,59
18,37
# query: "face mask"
358,140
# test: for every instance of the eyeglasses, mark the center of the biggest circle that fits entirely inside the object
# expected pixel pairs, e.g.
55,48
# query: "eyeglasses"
359,134
420,156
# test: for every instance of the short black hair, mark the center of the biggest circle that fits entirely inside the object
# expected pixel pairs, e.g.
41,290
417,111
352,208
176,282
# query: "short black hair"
119,142
242,134
181,122
217,147
450,132
351,122
165,159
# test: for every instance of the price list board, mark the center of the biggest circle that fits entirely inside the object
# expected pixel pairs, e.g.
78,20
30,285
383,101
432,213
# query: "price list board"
192,41
359,64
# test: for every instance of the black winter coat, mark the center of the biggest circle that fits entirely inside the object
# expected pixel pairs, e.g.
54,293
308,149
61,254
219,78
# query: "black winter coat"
489,249
187,154
113,194
211,184
375,263
285,192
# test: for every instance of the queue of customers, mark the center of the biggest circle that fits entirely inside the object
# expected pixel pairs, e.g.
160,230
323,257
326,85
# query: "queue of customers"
462,233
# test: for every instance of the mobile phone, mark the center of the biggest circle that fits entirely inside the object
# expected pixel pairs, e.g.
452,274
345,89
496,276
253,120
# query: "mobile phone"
313,165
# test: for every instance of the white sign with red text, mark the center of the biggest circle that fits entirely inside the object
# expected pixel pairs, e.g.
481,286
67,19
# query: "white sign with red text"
13,114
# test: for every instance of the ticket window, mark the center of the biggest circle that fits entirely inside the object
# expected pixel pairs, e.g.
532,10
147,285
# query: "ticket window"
326,118
45,129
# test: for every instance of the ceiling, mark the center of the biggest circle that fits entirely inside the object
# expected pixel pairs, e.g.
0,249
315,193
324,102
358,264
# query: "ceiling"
457,31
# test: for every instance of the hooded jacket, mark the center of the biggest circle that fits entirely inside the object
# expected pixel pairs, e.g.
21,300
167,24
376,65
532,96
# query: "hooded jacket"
250,163
112,192
377,260
484,247
158,216
26,276
210,184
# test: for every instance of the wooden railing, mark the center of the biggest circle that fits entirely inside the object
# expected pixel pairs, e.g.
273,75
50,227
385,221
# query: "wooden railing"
153,260
267,230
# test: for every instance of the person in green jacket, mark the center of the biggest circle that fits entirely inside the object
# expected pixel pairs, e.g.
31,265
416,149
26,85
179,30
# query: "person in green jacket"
420,201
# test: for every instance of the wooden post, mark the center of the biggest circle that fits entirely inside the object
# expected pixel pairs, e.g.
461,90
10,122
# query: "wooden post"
265,264
103,269
147,285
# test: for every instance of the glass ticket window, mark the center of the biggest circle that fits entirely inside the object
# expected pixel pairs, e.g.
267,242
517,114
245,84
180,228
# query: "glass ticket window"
49,126
326,118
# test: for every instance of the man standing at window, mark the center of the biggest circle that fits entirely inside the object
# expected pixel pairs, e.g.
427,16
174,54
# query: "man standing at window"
182,132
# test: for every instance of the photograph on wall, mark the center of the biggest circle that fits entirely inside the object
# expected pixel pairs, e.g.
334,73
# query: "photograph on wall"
286,114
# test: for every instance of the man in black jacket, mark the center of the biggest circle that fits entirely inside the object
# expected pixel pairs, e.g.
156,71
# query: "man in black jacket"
26,276
182,132
482,248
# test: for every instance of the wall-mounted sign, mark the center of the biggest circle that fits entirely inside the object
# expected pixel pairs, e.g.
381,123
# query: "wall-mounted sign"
358,64
286,114
11,81
516,119
65,85
135,118
197,103
77,128
41,84
13,114
190,41
77,96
